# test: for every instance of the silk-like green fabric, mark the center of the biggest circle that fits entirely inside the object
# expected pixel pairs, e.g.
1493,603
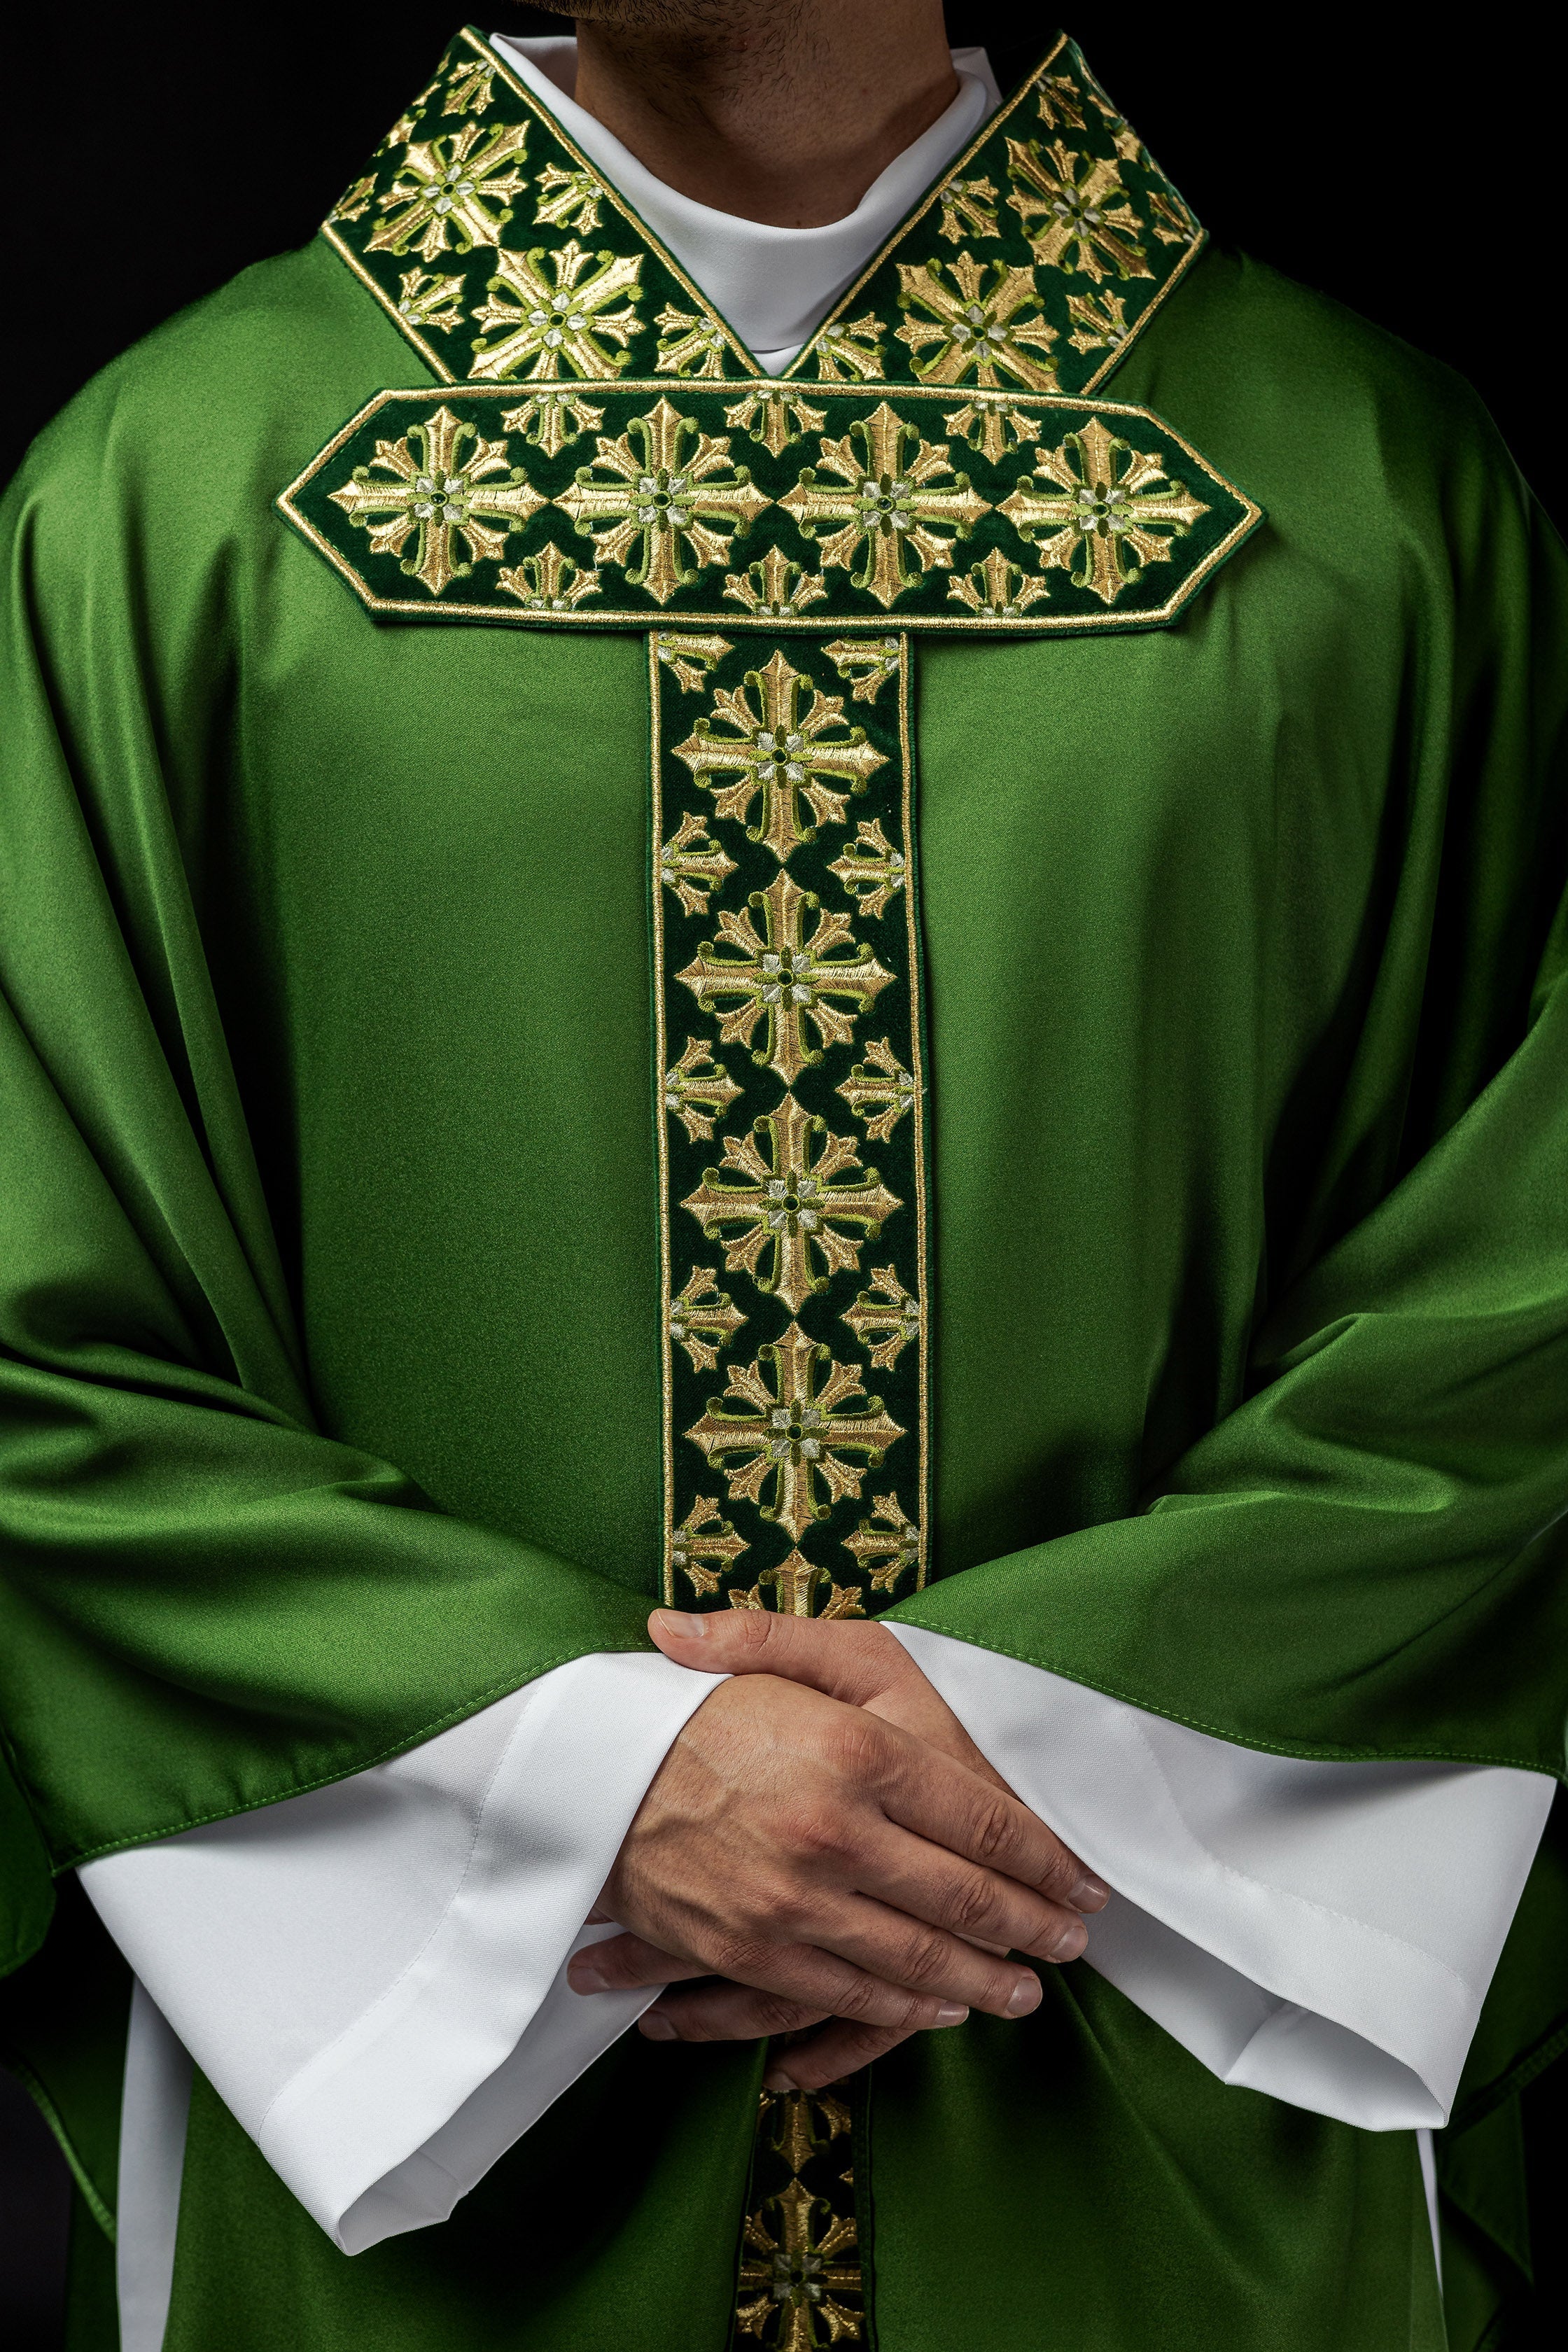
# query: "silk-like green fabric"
328,1338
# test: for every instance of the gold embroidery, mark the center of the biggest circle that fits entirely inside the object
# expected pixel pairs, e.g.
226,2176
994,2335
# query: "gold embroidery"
543,418
567,323
791,1203
691,345
662,500
354,202
1100,320
697,1090
891,497
876,659
774,586
433,495
968,209
1103,510
703,1535
459,194
987,419
704,1308
1061,102
692,865
888,1308
775,418
887,1087
470,88
998,589
784,980
429,301
871,869
1071,196
570,199
896,1547
800,2265
688,656
780,754
975,330
795,1581
850,352
797,1433
549,581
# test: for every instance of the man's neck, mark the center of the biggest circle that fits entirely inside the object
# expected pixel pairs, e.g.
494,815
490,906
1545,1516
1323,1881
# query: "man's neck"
779,110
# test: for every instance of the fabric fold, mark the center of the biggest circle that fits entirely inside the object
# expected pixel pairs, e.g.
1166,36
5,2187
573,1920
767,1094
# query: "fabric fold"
371,1975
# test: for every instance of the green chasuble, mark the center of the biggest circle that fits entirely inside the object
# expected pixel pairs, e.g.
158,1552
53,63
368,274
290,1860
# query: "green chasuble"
932,986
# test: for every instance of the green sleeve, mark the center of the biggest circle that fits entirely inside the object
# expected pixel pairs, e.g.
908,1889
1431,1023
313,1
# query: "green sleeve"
206,1604
1365,1557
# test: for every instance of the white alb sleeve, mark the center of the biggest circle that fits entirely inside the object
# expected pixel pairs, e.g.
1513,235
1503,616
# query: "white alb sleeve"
1323,1932
371,1975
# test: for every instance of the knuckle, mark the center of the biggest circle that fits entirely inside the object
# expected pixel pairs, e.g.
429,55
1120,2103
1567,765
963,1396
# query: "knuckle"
923,1960
972,1906
860,1997
818,1833
775,2012
992,1826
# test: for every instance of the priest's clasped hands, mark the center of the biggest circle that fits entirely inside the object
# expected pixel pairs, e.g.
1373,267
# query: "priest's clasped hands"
824,1846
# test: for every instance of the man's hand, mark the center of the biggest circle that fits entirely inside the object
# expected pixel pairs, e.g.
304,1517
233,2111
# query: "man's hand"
833,1845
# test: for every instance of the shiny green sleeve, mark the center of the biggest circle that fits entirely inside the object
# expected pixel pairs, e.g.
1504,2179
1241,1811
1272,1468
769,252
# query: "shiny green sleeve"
1365,1557
206,1603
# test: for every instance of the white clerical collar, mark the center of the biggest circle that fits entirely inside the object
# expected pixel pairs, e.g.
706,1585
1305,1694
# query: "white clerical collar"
775,285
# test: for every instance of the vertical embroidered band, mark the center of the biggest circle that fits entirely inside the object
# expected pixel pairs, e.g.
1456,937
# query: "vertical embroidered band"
793,1150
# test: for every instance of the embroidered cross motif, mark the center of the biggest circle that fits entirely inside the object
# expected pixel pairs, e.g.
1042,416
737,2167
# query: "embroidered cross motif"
785,979
895,1547
774,586
567,327
453,188
790,1203
692,865
663,500
426,301
1082,207
886,1089
891,497
697,1090
780,754
795,1581
702,1319
797,1434
703,1535
551,419
976,330
568,199
1107,500
549,581
998,589
888,1308
775,418
870,869
431,494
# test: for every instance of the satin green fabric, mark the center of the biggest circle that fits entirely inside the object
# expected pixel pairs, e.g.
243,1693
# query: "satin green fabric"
330,1403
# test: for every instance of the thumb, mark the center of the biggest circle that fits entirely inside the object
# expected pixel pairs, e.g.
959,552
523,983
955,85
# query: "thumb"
853,1663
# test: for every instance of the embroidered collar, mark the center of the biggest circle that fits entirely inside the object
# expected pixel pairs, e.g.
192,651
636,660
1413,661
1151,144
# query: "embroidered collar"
504,257
883,468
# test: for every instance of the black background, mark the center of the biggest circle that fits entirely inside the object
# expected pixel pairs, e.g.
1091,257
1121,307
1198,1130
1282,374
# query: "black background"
153,152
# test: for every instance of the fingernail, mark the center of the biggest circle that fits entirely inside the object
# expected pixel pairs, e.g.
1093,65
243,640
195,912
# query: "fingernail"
1089,1894
1070,1942
587,1978
775,2079
657,2027
1025,1996
680,1627
950,2014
